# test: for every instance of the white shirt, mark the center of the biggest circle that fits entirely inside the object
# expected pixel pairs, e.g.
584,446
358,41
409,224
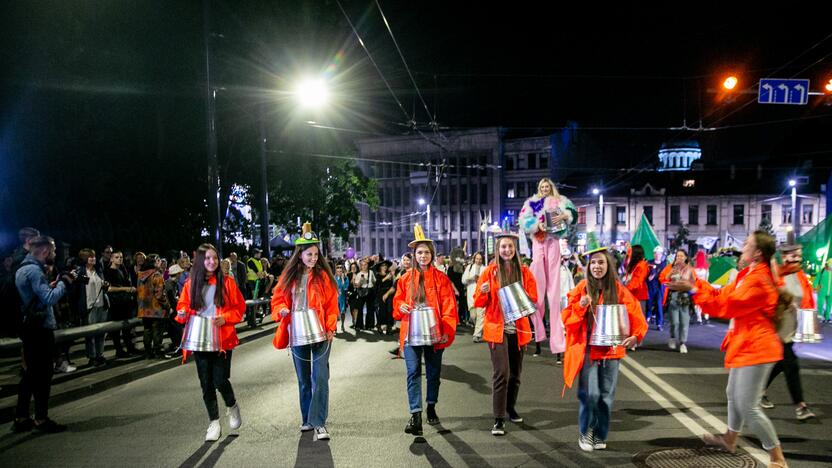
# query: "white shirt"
95,295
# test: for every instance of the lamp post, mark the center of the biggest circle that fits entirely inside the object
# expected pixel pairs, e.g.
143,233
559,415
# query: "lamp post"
795,223
596,191
422,202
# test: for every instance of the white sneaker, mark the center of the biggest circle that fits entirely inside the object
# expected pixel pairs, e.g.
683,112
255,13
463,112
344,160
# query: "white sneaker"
65,368
306,428
234,419
671,344
683,349
585,443
320,433
214,431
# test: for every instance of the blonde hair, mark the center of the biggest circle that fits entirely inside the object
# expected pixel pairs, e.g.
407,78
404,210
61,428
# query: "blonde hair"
555,192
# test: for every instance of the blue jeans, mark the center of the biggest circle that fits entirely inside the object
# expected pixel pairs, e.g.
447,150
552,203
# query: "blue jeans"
433,369
95,343
312,368
596,392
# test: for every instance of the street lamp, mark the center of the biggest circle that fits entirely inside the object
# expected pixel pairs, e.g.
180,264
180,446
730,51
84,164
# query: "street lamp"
422,202
796,228
596,191
312,92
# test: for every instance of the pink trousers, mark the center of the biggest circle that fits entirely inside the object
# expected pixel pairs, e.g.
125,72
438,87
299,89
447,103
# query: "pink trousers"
546,270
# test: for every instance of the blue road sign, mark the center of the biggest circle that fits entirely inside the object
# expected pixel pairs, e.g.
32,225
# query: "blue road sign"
780,91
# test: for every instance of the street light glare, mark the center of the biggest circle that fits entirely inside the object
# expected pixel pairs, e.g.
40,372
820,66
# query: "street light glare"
792,182
312,93
595,191
730,82
421,201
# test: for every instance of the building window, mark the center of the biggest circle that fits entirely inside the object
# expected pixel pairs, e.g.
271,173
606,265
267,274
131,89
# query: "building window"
648,211
806,211
483,194
711,215
510,162
786,217
582,215
739,214
532,160
620,215
522,162
675,214
521,189
765,212
688,183
693,214
510,192
544,160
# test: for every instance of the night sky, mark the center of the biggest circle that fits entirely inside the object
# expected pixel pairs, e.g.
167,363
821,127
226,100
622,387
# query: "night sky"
102,117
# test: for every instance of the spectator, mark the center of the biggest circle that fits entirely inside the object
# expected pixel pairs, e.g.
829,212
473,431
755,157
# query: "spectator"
152,305
138,261
255,273
455,272
25,235
184,263
352,294
106,258
9,299
91,303
239,272
364,282
384,298
122,304
38,334
343,283
267,282
469,278
172,292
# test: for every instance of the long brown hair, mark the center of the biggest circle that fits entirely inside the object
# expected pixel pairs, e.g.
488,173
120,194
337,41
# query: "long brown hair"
417,291
508,271
199,278
608,284
293,271
636,256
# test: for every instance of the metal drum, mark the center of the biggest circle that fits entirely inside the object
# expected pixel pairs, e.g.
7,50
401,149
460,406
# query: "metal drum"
305,328
552,227
808,328
201,334
423,330
515,303
611,326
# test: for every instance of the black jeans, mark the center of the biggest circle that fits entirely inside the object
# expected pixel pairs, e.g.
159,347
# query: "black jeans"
152,335
214,370
369,301
36,375
791,369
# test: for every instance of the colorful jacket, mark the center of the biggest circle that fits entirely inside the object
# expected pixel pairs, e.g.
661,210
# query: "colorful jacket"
439,295
321,296
150,295
232,312
534,209
637,280
492,319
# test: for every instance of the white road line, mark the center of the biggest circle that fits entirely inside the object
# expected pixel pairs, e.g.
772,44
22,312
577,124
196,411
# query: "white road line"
722,371
700,412
813,355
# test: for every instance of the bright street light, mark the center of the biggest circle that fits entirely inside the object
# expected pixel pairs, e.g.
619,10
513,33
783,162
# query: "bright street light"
730,83
595,191
792,182
312,92
421,201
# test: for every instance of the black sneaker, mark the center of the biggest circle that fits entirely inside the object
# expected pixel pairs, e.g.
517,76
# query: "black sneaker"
433,418
499,428
22,425
766,403
414,426
50,427
514,417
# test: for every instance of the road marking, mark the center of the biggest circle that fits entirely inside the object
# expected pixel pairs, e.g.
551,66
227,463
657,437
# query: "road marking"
688,404
813,355
722,371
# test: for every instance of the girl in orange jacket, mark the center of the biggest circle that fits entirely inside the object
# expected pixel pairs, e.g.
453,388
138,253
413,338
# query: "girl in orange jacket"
225,306
751,345
597,366
307,283
424,285
505,340
636,279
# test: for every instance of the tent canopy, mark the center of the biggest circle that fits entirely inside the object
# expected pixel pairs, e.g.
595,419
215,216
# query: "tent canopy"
645,237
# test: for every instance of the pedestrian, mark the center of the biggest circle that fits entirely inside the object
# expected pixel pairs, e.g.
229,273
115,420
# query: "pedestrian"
152,305
384,298
238,272
546,255
404,267
138,261
679,302
655,289
352,294
364,282
343,283
597,366
90,292
426,287
506,339
210,294
455,271
38,334
106,257
122,304
469,279
798,285
307,285
751,345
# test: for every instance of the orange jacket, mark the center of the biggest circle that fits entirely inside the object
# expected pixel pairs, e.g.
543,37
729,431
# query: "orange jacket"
808,301
439,295
638,281
232,311
321,296
750,301
575,323
492,319
664,278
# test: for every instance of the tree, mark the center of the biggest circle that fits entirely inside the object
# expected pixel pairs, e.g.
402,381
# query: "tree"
765,225
681,238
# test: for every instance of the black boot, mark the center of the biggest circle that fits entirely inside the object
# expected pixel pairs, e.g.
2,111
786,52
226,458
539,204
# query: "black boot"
433,419
414,426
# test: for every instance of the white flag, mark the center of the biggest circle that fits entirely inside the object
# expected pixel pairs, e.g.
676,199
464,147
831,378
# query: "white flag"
731,241
524,245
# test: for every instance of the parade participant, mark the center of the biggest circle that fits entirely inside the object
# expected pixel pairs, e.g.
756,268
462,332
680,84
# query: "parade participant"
797,284
424,285
679,303
751,345
343,284
404,267
655,289
505,340
546,255
469,278
597,366
636,276
307,283
210,294
567,283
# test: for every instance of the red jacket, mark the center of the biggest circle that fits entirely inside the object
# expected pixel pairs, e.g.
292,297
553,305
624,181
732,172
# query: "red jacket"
638,281
750,301
575,323
321,296
493,323
232,311
439,295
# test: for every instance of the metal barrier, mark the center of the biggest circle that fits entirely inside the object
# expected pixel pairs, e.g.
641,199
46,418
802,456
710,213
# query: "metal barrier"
74,333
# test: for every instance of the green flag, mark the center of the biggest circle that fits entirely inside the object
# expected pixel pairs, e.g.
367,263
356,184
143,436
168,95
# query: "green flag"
645,237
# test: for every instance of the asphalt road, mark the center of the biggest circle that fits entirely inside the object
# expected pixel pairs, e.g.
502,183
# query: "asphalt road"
663,401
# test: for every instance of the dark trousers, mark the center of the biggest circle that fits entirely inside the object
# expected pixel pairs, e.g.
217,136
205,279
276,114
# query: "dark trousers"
790,367
214,370
123,312
507,361
370,321
152,335
36,375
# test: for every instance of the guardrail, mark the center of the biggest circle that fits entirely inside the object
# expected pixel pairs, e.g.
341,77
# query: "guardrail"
71,334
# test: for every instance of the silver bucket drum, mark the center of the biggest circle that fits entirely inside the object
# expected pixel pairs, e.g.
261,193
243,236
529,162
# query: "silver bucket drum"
611,326
201,334
808,328
515,303
305,328
423,330
551,226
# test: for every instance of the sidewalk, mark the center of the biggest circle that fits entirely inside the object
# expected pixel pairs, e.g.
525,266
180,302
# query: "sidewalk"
89,380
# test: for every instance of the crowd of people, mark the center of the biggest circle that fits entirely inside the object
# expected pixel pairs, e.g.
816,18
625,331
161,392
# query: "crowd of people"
424,296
